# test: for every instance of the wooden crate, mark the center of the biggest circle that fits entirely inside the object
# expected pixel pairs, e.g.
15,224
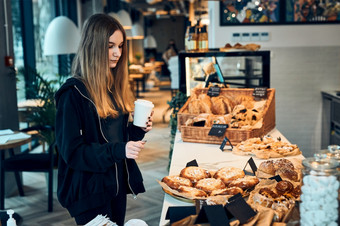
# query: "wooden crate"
200,134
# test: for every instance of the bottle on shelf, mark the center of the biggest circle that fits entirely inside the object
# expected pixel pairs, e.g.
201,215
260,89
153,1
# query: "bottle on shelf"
186,37
196,37
203,39
191,39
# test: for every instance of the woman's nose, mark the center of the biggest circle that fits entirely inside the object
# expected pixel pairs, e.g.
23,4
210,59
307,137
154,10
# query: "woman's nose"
116,51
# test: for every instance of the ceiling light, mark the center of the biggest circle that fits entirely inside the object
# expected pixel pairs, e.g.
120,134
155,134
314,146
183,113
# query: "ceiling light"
137,31
128,33
125,19
150,42
62,37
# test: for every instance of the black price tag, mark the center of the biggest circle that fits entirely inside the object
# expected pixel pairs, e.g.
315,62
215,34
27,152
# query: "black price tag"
277,178
240,209
218,130
251,164
199,124
260,92
215,215
224,142
176,213
214,91
192,163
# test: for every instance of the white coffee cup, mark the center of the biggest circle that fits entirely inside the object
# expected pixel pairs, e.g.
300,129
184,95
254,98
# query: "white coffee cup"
143,109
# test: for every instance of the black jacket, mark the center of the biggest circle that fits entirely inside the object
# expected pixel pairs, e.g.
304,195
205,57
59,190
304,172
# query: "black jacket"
88,162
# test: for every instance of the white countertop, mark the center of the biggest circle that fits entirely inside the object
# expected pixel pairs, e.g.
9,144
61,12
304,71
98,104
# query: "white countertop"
208,156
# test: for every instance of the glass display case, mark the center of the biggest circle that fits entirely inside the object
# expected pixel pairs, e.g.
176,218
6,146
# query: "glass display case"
247,69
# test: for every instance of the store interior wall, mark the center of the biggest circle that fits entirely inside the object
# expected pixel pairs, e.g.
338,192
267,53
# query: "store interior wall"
304,61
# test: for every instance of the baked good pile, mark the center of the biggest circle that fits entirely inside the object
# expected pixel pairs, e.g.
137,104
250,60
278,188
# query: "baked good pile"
194,182
278,196
266,147
241,112
216,187
239,46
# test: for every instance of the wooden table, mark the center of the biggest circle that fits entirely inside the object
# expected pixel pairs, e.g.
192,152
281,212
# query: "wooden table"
139,80
208,156
10,145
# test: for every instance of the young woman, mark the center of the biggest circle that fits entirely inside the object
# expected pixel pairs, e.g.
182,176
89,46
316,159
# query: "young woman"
97,144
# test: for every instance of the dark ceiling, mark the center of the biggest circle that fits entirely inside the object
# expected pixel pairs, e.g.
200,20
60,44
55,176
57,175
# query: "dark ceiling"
174,7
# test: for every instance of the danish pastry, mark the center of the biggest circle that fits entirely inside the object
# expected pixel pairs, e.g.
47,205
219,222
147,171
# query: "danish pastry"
227,191
194,173
175,181
228,174
244,183
192,192
209,184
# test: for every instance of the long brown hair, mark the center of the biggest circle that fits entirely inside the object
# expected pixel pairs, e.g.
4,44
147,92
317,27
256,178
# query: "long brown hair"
91,65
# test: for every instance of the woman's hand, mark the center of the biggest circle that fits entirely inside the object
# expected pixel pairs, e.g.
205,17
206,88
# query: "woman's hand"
133,148
148,123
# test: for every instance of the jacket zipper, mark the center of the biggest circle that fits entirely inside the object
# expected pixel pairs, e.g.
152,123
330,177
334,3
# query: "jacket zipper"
128,175
100,128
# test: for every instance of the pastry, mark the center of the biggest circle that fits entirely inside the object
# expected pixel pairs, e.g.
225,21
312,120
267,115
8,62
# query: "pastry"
205,103
209,184
218,106
227,191
228,174
244,183
284,187
191,192
277,196
266,147
175,181
283,167
194,106
194,173
283,163
287,173
267,167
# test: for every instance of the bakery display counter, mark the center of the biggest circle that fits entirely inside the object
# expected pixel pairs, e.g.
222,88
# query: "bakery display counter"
208,156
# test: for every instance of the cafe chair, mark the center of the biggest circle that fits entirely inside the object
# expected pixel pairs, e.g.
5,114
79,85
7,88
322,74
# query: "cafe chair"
34,162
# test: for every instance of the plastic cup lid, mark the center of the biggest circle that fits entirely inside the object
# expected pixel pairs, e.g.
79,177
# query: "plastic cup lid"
145,102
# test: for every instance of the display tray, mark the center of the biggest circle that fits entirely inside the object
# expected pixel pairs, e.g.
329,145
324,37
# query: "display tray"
200,134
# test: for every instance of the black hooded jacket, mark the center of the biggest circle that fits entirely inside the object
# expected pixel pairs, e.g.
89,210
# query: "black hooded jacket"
87,168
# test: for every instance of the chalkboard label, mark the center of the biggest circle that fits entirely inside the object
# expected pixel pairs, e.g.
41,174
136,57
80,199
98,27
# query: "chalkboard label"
277,178
192,163
218,130
214,91
224,142
260,92
251,164
239,208
199,124
215,215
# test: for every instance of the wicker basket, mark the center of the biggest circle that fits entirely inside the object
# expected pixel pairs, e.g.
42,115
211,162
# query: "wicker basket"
200,134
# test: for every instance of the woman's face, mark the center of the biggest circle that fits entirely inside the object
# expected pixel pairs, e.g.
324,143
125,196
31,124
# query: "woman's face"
116,42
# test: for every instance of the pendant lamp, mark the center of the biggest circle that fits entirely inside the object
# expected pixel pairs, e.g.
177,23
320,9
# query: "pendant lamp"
128,34
150,42
137,31
123,17
62,37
